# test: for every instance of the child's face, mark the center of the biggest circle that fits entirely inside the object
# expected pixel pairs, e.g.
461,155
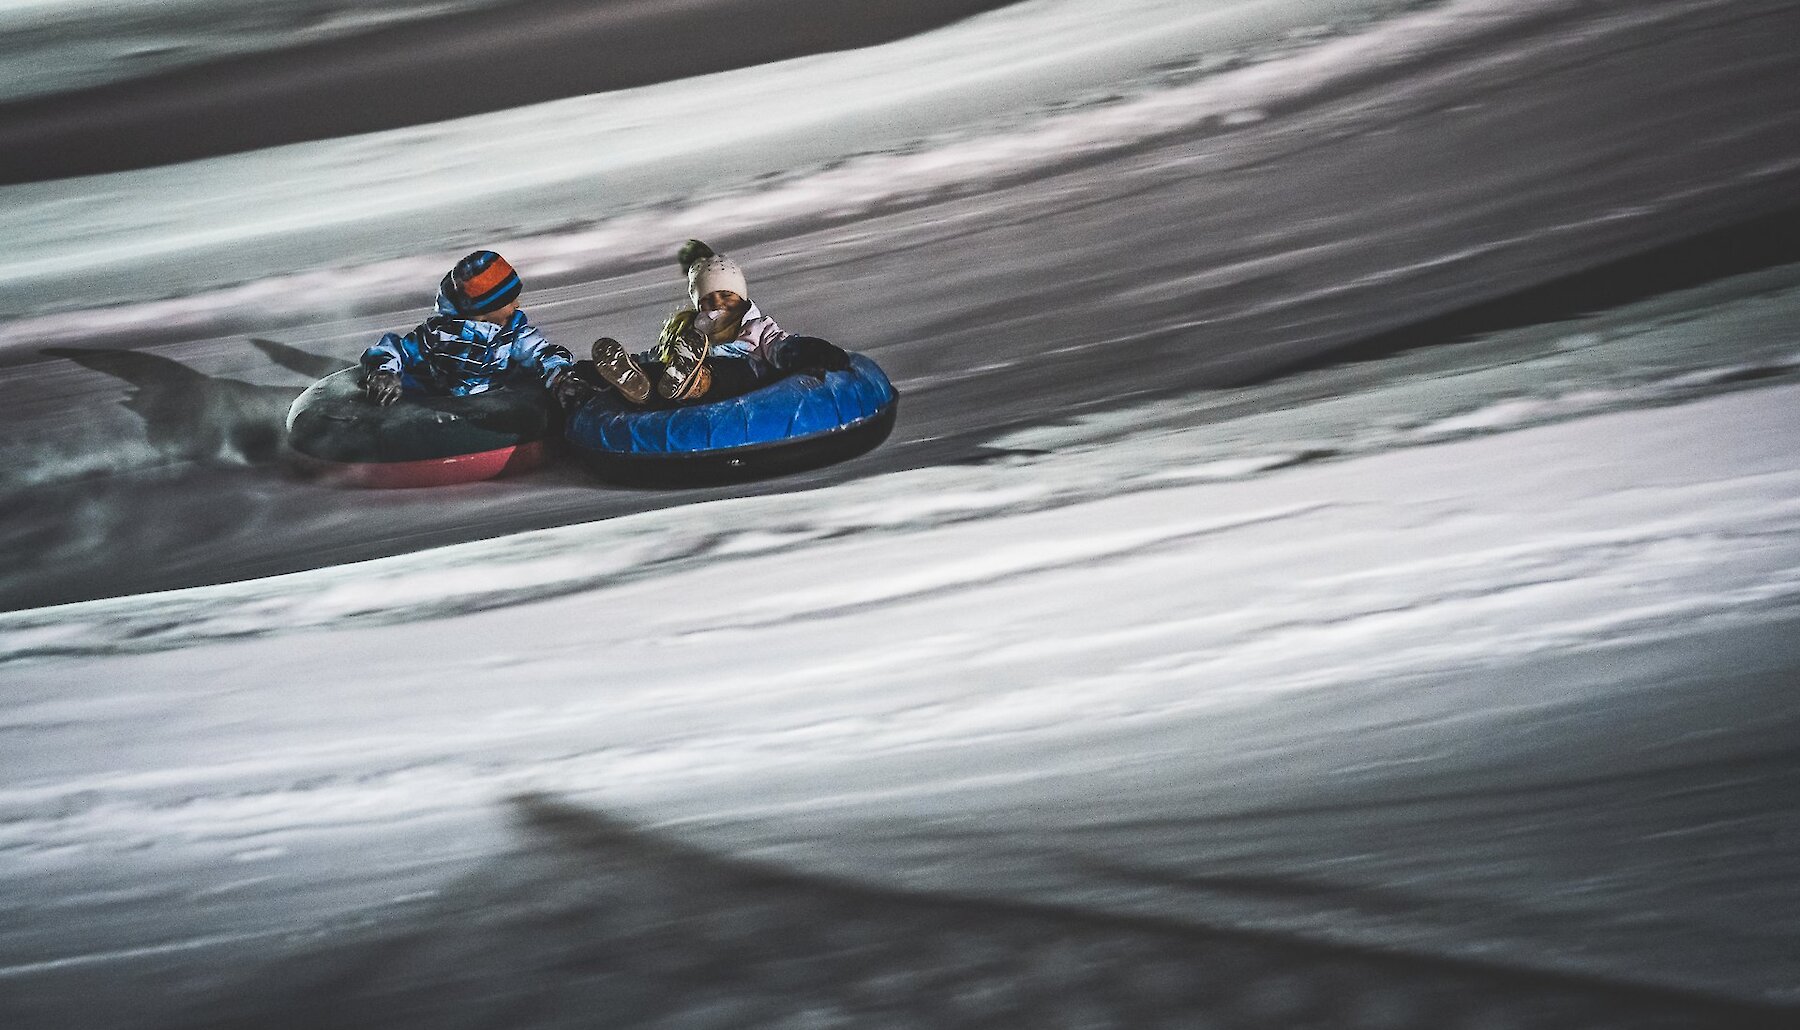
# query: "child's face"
726,301
499,316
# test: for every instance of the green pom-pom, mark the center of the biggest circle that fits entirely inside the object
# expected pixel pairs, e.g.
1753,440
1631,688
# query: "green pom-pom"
690,252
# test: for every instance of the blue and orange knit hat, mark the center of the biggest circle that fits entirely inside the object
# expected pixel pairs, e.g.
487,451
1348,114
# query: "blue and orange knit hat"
480,283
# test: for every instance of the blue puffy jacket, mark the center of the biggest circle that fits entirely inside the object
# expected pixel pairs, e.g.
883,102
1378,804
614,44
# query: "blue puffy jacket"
450,354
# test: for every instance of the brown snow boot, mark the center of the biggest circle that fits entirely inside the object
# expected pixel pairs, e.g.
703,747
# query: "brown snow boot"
616,365
685,377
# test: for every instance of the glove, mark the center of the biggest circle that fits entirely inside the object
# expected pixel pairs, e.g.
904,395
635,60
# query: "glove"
676,324
811,356
570,388
383,387
690,252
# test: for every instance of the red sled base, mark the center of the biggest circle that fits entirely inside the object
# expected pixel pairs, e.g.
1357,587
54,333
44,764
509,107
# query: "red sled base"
458,468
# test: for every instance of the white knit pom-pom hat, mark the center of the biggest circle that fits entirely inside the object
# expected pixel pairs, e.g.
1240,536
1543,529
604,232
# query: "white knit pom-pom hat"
718,272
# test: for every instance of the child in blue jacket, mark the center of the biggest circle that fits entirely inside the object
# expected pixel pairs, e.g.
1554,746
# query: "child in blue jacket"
477,339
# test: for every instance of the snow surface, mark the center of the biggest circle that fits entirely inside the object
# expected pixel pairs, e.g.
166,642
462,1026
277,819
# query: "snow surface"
1447,689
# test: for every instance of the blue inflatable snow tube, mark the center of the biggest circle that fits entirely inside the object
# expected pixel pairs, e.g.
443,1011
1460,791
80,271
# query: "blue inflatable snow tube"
794,422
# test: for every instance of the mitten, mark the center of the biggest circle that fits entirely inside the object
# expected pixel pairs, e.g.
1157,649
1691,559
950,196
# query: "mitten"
811,356
383,387
570,388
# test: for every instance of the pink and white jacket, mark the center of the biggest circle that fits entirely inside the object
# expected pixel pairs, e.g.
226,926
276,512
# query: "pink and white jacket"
757,341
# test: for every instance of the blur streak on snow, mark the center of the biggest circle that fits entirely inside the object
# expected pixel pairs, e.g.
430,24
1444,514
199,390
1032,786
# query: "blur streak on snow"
47,46
612,178
1662,351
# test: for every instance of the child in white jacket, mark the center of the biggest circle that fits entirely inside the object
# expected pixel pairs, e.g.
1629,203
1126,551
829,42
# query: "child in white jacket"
720,347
